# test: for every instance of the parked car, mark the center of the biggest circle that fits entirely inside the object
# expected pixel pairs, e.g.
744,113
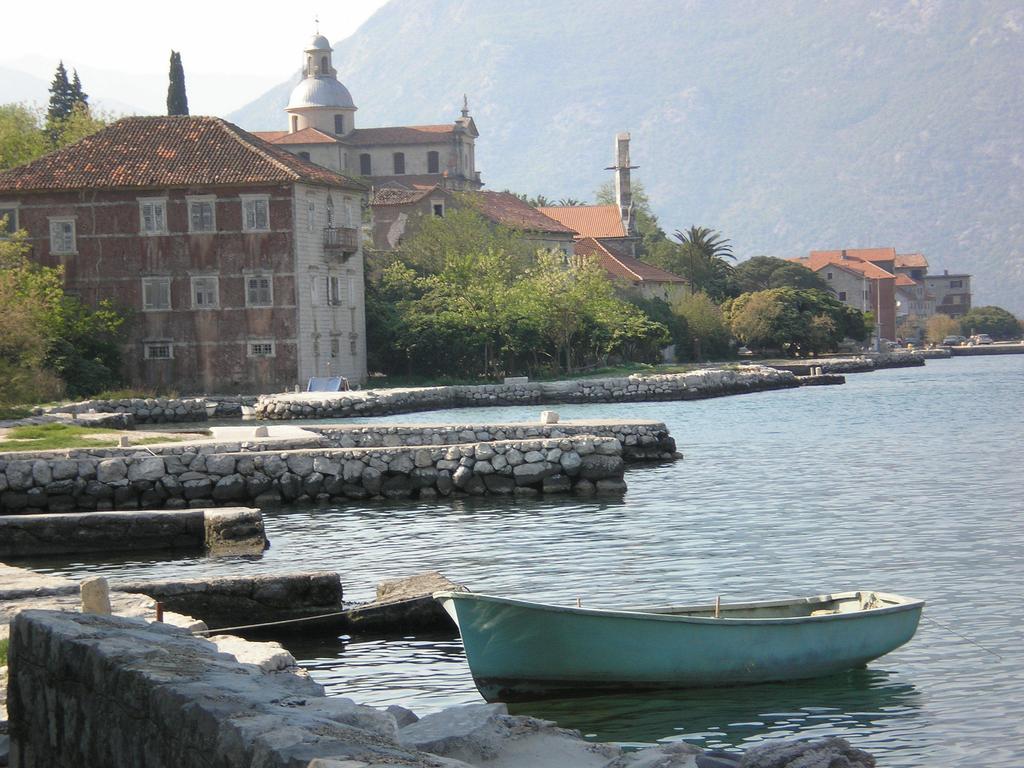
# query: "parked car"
953,341
979,339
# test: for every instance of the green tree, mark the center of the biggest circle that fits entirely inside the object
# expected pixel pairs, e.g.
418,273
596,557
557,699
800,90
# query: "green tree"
793,321
21,139
995,321
431,240
709,333
763,272
702,259
939,327
177,100
79,98
49,341
62,98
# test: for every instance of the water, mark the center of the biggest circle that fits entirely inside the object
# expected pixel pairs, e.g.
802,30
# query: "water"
904,480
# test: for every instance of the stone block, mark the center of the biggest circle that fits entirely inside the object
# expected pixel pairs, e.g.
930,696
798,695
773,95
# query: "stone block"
528,474
195,489
499,484
64,469
557,484
230,488
300,464
150,469
108,470
220,465
596,466
372,480
95,595
290,485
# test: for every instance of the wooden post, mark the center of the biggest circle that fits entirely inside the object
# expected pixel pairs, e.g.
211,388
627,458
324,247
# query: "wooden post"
718,607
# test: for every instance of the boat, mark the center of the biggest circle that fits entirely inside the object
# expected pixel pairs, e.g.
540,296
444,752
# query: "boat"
520,650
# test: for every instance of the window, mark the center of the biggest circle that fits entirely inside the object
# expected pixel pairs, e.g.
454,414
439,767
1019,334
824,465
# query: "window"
201,214
399,158
828,275
262,348
259,291
304,156
842,295
334,287
351,281
62,236
295,123
153,215
433,162
365,165
205,293
352,340
956,283
438,209
310,215
255,213
156,293
314,290
330,211
325,66
158,350
339,124
8,219
335,346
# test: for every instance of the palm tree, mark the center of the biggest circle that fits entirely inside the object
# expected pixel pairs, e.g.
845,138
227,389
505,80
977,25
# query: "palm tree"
706,252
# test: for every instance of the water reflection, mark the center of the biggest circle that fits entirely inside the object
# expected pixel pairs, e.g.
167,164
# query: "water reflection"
867,701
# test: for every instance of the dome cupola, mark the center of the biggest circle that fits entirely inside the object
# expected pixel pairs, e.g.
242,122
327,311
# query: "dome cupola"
319,100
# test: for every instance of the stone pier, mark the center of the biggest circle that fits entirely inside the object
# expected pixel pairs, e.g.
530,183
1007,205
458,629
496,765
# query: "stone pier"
696,385
185,475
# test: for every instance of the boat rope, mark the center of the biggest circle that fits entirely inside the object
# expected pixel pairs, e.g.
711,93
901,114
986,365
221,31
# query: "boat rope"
965,637
271,623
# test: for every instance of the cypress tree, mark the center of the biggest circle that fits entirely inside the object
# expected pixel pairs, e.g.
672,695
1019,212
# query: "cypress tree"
79,97
177,101
61,101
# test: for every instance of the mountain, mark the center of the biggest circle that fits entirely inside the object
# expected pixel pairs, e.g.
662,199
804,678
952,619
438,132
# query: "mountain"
788,125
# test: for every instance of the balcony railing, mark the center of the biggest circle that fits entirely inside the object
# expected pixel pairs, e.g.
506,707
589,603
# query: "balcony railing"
343,241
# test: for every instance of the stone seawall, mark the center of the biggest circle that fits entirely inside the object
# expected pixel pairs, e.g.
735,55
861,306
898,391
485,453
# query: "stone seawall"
192,478
632,389
32,535
640,440
150,410
89,690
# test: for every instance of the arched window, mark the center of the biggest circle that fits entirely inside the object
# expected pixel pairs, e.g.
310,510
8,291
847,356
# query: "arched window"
325,68
399,163
330,211
295,123
339,124
433,162
365,165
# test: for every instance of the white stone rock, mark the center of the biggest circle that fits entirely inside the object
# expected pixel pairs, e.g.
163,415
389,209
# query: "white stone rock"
95,593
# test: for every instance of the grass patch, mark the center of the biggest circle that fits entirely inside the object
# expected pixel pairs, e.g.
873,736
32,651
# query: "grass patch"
50,437
4,645
131,394
15,411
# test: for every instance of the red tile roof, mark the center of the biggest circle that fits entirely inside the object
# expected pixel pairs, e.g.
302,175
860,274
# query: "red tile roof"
622,266
588,220
820,259
507,209
862,254
905,280
305,136
402,134
167,152
398,195
911,260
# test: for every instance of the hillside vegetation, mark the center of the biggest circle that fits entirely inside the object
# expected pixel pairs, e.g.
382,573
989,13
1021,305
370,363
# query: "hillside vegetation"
786,125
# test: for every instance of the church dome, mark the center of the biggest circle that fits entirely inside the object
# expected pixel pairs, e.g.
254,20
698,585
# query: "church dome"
318,43
320,92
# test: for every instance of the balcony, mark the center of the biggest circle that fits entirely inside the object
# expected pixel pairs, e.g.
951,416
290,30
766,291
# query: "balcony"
341,242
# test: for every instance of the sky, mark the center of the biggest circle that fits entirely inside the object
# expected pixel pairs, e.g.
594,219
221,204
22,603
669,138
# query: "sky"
231,51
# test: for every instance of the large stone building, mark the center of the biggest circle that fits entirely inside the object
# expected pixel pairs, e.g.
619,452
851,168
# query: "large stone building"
239,264
322,128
